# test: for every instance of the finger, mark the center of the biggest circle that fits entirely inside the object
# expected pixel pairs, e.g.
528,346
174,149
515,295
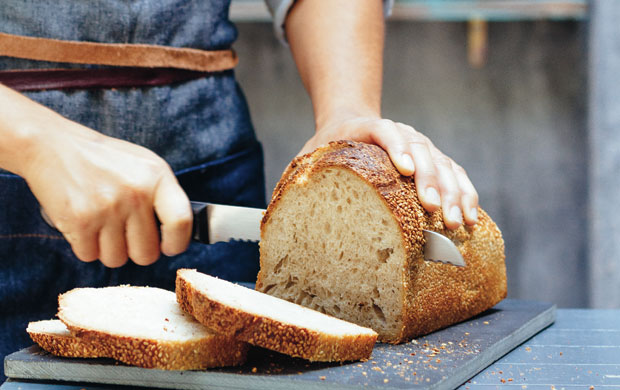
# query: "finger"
450,191
469,197
417,148
142,237
84,244
394,140
112,244
175,214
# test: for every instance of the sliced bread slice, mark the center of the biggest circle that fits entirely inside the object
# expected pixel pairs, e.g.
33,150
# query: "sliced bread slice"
270,322
54,337
144,326
343,234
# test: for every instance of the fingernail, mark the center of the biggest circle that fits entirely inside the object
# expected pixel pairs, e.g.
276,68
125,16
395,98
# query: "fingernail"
407,163
455,214
432,196
474,214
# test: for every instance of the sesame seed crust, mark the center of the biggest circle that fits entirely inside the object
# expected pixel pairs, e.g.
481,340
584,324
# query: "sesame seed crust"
63,345
268,333
215,351
434,295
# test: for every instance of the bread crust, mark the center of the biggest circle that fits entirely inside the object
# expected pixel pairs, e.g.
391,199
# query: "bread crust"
435,295
268,333
64,345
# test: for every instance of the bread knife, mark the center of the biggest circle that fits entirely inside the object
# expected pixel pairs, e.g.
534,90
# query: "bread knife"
215,222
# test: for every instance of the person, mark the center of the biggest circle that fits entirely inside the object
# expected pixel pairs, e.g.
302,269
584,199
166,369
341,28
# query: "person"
104,161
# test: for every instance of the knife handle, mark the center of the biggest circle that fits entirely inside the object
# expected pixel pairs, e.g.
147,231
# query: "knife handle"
200,227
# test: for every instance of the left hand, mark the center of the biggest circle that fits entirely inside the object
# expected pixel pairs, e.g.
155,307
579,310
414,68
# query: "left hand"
439,180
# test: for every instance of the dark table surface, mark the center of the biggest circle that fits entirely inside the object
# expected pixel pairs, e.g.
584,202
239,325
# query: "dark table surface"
581,350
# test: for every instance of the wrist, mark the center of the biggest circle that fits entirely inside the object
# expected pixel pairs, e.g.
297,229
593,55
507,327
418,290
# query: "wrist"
336,116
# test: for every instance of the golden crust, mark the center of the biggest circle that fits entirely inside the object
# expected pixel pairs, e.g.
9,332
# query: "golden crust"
268,333
435,295
216,351
64,345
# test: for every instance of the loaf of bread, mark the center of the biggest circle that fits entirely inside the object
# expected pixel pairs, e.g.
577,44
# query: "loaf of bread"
140,326
270,322
343,235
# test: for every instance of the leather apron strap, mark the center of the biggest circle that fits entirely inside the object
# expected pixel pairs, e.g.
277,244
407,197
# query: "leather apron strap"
116,54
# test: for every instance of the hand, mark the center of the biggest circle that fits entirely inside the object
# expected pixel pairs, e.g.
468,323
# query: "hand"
439,180
102,193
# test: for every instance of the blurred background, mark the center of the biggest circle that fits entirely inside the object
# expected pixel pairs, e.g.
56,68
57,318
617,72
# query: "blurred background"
524,94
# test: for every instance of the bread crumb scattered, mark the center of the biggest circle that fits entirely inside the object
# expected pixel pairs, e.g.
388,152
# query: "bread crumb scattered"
322,377
254,369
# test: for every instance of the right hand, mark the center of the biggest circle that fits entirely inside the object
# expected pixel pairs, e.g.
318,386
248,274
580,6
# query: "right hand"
103,193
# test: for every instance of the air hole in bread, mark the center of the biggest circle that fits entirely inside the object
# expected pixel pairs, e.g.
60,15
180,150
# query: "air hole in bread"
384,254
268,288
378,312
278,266
303,298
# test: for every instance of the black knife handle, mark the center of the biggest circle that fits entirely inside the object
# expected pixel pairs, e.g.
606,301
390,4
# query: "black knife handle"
200,227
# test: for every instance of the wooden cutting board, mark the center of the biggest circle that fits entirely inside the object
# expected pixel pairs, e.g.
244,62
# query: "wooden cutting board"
442,360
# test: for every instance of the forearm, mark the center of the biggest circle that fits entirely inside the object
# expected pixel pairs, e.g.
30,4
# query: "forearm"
338,48
16,136
26,126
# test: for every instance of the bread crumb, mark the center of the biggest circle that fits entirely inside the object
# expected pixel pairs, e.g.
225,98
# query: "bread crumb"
486,322
528,349
322,377
254,369
386,380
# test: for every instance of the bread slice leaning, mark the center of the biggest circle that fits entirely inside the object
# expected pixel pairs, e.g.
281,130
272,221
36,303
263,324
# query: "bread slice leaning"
269,322
343,235
54,337
140,326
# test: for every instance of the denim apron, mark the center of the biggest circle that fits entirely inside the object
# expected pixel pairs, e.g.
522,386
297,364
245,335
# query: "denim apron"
200,127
